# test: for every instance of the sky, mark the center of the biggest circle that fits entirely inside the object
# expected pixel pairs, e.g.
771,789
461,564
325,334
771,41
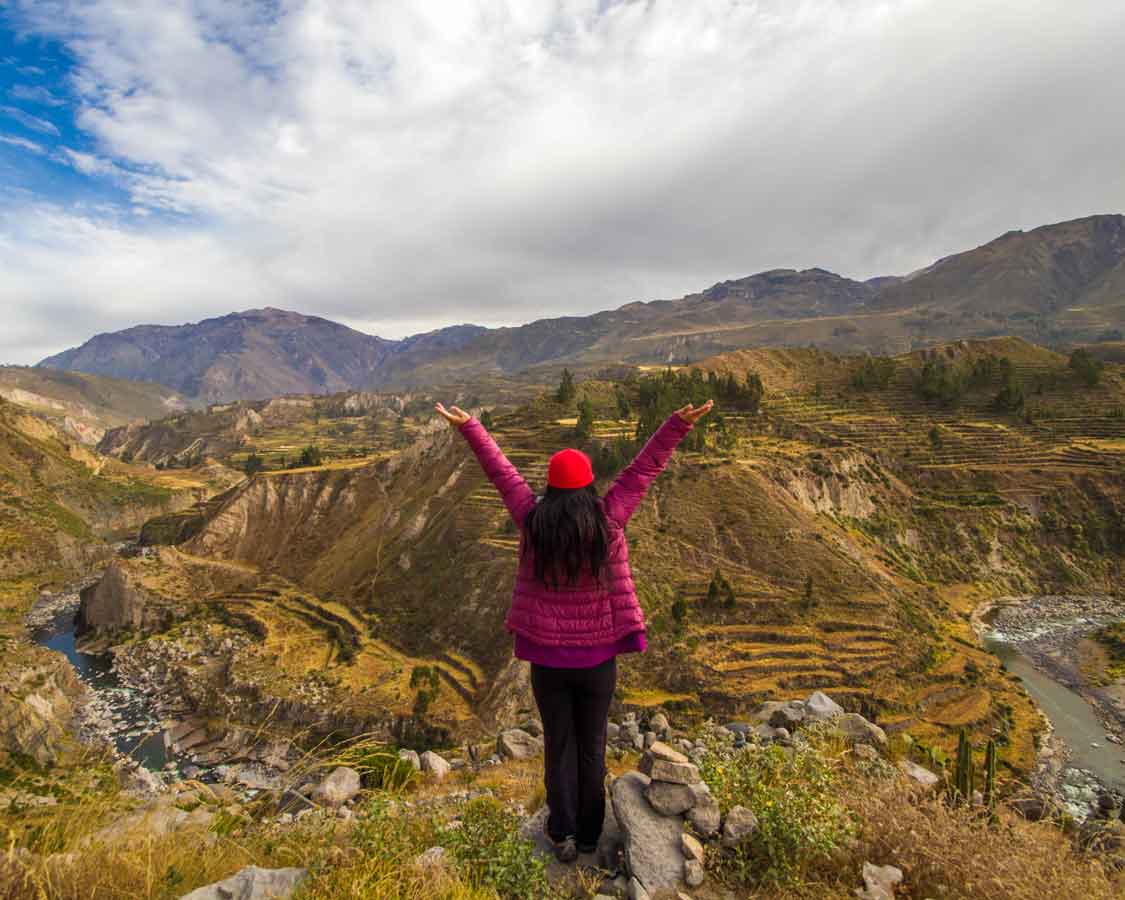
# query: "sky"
404,165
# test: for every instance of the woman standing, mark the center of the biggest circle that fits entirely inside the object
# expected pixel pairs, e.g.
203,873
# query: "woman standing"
574,607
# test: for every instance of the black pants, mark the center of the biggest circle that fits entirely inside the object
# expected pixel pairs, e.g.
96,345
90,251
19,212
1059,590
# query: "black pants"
574,706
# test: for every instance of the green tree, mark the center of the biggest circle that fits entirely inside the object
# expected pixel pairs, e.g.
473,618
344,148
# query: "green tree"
808,598
623,408
253,465
1086,366
1010,397
566,390
936,440
585,426
679,610
874,373
939,380
310,456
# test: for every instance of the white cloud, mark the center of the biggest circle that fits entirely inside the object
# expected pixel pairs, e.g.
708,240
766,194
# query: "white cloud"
413,165
34,123
22,143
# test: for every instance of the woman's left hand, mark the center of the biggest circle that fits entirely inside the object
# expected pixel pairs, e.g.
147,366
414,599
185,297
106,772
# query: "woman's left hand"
455,416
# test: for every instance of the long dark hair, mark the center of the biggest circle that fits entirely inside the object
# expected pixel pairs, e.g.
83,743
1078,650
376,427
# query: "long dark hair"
566,534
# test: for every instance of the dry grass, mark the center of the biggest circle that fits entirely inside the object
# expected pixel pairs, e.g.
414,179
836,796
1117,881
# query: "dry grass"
947,852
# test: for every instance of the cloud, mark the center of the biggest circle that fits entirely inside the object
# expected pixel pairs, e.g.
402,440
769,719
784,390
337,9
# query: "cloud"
29,121
23,144
402,166
34,94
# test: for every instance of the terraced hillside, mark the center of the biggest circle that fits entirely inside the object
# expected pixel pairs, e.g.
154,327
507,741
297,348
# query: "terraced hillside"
854,544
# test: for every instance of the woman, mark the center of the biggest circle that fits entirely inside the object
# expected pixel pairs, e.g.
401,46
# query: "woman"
574,608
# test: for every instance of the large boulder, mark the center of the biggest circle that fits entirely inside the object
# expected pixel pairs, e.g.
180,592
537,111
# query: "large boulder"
515,743
435,765
857,730
653,843
819,707
251,883
341,785
788,717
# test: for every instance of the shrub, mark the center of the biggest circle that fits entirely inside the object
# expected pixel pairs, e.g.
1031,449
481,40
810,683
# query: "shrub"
793,795
1086,366
490,852
874,373
566,390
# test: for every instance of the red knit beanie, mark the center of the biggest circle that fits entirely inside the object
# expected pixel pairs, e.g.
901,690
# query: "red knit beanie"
570,469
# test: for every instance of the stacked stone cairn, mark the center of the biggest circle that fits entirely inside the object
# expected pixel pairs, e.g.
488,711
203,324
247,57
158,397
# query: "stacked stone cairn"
652,806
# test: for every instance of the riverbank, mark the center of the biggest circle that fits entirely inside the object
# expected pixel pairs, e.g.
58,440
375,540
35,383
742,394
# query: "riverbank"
1038,637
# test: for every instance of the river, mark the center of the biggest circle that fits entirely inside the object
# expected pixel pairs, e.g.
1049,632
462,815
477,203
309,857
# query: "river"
115,712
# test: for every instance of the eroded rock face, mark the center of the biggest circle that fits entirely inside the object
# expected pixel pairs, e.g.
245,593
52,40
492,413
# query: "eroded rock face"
116,602
37,701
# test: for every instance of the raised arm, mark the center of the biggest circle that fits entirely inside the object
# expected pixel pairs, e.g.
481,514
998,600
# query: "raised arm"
632,483
507,480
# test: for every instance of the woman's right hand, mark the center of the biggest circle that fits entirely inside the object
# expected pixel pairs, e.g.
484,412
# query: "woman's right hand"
692,414
455,416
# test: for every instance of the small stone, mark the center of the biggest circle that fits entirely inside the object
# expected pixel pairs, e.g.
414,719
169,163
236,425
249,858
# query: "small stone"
739,825
434,764
692,848
704,816
411,756
338,788
918,774
693,873
664,770
879,882
515,743
612,732
670,799
436,859
659,723
787,717
660,750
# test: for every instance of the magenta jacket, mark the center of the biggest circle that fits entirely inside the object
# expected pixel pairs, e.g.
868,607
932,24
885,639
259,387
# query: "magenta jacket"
586,614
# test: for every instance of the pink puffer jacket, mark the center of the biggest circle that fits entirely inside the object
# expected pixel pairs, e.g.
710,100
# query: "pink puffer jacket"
586,614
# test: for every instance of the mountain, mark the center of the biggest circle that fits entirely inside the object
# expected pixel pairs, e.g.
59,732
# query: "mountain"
254,354
86,406
1056,284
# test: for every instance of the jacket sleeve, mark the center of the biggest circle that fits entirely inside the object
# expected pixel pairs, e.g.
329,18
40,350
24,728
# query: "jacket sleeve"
513,489
632,483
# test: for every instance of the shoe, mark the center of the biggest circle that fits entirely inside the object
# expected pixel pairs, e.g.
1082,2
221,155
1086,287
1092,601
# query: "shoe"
566,850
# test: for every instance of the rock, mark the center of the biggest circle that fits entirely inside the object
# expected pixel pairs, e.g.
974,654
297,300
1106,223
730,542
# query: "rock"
918,774
637,890
692,848
434,764
865,751
659,769
659,723
653,846
765,712
739,825
660,750
858,730
820,707
767,733
704,816
251,883
649,739
670,799
292,801
630,733
434,860
338,788
411,756
787,717
612,733
693,873
533,727
879,882
515,743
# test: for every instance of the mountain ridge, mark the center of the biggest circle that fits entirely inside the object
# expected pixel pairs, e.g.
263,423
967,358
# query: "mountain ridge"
1057,283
